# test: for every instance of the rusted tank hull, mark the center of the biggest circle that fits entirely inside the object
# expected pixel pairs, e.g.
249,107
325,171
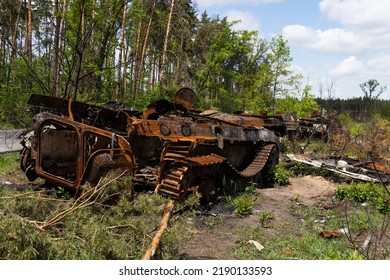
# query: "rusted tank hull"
75,143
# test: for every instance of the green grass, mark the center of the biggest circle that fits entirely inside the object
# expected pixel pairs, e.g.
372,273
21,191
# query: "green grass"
302,240
9,162
116,226
371,193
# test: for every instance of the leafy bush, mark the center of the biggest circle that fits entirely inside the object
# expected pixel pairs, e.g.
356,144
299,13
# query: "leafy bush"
280,175
365,192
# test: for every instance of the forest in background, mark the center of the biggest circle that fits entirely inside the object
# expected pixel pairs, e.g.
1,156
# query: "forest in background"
138,51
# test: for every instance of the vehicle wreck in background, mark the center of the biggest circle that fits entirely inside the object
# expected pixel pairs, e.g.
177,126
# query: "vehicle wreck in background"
169,147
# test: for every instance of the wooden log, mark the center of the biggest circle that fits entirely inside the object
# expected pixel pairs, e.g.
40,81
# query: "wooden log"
157,237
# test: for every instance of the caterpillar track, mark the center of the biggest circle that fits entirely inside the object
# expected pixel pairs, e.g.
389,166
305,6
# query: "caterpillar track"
170,147
176,179
265,155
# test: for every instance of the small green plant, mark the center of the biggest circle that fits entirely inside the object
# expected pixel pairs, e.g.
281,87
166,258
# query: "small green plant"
244,204
61,192
280,175
296,198
265,218
301,169
251,188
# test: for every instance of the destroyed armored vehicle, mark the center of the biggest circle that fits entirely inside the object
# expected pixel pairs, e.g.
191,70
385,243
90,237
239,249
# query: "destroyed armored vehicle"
170,147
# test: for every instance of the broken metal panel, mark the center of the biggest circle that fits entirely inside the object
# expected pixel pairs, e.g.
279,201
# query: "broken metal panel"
63,150
342,166
97,116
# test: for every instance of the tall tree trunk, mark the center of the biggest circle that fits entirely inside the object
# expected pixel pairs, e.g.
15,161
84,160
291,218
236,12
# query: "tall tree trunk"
29,33
61,44
56,46
145,44
14,30
121,55
164,55
93,21
136,57
179,59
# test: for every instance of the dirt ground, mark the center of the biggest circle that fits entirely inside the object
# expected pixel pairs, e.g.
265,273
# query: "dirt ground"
218,242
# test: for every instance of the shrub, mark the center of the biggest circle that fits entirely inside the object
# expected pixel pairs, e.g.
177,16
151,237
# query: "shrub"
244,204
280,175
365,192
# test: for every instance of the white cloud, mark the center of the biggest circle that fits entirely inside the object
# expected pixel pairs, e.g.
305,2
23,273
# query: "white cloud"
334,40
367,19
358,14
246,20
209,3
348,66
380,63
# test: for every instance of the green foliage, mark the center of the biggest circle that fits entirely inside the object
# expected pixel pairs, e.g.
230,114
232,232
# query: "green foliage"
9,162
61,192
365,192
355,128
280,175
13,113
301,169
265,218
20,240
358,108
244,204
303,106
106,229
296,198
250,188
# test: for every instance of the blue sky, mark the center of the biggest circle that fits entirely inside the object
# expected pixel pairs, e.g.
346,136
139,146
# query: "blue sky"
338,44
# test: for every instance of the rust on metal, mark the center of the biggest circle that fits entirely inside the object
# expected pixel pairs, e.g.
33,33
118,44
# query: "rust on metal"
169,147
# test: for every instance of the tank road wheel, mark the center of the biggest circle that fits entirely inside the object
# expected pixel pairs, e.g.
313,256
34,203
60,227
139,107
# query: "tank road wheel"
24,155
31,174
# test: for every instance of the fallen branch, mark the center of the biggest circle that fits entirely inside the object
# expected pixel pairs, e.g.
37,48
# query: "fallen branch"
157,237
86,199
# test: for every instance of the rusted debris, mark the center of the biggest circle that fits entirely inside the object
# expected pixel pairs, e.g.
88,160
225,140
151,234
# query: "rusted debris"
331,233
315,126
346,166
170,147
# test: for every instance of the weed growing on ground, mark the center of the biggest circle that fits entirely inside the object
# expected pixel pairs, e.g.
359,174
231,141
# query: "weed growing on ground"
244,204
365,192
265,218
279,175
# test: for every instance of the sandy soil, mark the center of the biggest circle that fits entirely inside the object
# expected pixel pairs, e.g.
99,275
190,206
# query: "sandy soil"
218,241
